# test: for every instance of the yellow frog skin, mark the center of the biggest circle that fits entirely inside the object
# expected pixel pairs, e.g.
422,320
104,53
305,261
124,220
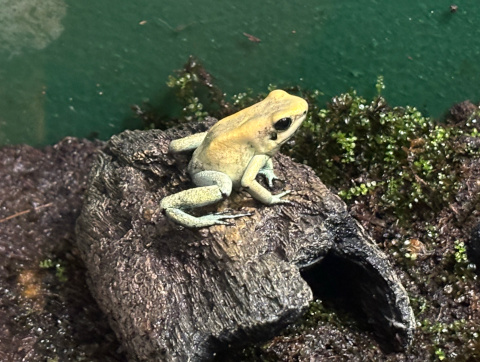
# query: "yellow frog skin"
231,154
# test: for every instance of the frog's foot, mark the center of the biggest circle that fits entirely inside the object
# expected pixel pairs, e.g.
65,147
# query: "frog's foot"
269,176
213,187
277,199
218,218
190,221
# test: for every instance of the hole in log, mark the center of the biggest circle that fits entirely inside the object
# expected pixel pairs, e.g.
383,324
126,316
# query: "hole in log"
357,292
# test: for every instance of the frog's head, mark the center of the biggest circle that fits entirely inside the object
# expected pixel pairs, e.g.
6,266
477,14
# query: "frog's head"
275,120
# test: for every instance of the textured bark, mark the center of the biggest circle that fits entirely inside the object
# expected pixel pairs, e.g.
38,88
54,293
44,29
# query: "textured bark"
176,294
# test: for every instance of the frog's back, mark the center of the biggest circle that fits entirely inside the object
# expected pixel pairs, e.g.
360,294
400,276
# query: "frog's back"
223,153
231,143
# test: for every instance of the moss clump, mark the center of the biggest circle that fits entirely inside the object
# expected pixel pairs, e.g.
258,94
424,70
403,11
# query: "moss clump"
197,96
361,146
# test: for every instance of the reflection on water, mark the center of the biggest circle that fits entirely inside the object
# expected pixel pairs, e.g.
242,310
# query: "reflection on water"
22,109
29,24
26,25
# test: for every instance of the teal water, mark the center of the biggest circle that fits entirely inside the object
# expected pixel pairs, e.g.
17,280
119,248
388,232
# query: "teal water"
74,68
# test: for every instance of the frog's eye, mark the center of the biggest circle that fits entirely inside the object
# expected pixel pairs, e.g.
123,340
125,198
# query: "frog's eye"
283,124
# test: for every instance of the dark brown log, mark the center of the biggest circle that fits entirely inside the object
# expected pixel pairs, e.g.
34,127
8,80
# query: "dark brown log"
178,294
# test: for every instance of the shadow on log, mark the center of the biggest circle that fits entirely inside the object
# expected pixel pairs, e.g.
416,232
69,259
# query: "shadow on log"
179,294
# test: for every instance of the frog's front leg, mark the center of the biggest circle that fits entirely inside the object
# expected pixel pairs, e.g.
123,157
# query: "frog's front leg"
213,187
267,172
188,143
257,191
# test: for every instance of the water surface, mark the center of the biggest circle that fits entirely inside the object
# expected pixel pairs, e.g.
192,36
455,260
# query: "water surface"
73,68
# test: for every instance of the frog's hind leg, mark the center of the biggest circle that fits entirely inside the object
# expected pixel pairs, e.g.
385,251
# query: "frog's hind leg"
213,187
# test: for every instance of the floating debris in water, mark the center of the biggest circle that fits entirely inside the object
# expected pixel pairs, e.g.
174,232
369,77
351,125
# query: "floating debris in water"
252,38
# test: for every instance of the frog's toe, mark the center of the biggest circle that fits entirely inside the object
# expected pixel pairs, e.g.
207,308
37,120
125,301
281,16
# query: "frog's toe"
277,199
270,181
218,219
269,176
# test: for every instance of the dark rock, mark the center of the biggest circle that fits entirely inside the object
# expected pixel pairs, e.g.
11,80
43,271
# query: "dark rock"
473,247
462,111
178,294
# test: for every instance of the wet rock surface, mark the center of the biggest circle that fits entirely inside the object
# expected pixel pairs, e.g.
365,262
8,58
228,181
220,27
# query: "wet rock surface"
172,293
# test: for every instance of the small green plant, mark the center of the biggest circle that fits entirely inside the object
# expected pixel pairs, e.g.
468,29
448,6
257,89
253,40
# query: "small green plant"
419,304
185,84
440,354
347,144
318,313
197,96
46,264
358,190
380,85
460,252
60,270
461,332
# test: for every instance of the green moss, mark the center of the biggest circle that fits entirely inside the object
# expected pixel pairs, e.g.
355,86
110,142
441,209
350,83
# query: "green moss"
460,252
460,332
318,313
197,97
57,266
440,354
360,146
